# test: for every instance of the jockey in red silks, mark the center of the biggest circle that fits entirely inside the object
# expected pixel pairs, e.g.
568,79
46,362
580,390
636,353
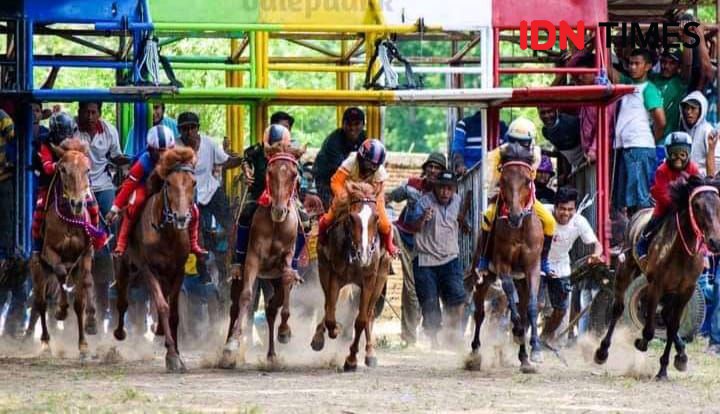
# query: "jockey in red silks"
62,126
677,165
159,139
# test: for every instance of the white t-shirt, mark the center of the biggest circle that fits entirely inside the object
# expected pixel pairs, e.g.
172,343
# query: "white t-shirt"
565,236
210,154
104,146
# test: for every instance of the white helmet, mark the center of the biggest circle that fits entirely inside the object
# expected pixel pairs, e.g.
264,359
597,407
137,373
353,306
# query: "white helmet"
160,137
521,129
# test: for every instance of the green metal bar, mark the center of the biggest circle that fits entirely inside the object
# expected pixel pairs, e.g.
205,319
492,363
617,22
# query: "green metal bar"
170,40
211,66
268,27
199,59
253,60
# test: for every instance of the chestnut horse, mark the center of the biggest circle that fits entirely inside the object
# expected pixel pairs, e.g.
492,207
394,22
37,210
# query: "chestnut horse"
271,247
159,247
67,249
674,262
514,249
353,255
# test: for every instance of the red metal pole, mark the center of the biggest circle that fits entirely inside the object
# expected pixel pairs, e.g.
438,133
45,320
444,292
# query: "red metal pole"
494,112
548,70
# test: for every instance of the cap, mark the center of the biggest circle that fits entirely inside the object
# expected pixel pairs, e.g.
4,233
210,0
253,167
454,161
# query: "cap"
445,178
188,118
353,114
673,53
436,158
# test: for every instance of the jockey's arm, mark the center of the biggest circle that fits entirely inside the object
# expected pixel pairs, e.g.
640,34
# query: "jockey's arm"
233,162
120,160
48,162
337,183
131,183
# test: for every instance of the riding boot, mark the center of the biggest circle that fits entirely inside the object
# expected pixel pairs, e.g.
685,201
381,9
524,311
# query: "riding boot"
643,244
544,263
100,240
299,245
241,243
195,247
483,263
37,223
123,235
387,241
323,226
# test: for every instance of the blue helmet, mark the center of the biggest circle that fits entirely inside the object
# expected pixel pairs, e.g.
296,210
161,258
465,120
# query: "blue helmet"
62,126
373,151
678,139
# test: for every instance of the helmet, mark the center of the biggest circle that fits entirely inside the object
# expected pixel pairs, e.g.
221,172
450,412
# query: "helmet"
62,126
436,158
677,139
276,133
373,151
521,130
160,137
546,165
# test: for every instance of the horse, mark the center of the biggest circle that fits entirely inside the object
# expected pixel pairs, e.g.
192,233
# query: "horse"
514,249
67,250
271,246
352,254
159,247
674,262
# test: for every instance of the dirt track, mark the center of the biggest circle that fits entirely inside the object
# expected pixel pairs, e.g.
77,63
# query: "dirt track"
410,380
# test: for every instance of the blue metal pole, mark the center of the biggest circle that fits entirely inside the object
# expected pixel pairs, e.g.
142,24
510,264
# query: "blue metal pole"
100,94
27,148
100,64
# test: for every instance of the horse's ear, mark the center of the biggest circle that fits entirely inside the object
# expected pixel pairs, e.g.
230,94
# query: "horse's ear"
57,150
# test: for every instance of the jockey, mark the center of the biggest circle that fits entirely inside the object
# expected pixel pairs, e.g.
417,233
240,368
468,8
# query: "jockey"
255,167
677,165
62,126
365,165
521,131
159,139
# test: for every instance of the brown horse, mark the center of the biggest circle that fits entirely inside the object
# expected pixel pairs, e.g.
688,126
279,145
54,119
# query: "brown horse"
514,249
271,247
159,247
353,255
673,264
67,249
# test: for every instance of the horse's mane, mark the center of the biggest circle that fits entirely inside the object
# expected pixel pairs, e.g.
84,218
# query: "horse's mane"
279,147
167,162
516,152
74,144
680,190
355,191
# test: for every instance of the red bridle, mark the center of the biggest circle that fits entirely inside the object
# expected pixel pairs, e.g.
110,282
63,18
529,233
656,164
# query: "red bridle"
267,197
699,236
531,201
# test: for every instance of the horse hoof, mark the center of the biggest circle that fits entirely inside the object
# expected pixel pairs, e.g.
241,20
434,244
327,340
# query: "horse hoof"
120,334
349,367
228,360
641,345
284,337
61,314
661,378
91,327
371,362
45,350
473,362
318,343
536,356
333,333
174,364
528,369
601,356
681,362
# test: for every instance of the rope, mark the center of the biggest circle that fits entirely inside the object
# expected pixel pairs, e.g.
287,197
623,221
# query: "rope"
151,62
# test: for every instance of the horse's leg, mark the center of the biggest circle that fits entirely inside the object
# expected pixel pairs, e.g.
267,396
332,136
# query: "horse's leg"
55,262
474,361
331,324
81,300
174,296
271,313
681,358
172,360
121,286
652,297
318,341
533,282
284,332
667,316
370,358
235,291
523,290
39,279
622,281
250,271
360,325
508,286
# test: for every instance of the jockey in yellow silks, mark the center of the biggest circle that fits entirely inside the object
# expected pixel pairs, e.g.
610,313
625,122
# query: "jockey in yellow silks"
521,131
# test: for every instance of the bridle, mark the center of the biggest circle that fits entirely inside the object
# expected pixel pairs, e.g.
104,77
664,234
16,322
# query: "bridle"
84,222
355,250
283,156
168,216
699,236
527,209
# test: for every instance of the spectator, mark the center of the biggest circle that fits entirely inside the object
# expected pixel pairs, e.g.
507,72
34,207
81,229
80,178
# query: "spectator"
714,317
411,191
544,174
159,118
437,268
563,131
693,111
104,143
467,142
697,68
640,124
7,189
211,198
570,227
672,88
336,148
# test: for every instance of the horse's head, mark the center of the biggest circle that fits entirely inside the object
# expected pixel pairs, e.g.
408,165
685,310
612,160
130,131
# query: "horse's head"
177,169
362,222
702,199
73,168
282,177
516,189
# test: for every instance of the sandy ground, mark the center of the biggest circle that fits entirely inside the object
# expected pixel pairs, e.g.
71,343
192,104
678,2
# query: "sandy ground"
407,380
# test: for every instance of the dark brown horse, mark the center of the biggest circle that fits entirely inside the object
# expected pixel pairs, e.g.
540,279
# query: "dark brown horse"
271,247
159,247
514,251
67,249
353,255
673,264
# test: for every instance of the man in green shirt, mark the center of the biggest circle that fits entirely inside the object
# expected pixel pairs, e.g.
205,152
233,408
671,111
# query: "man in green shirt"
672,88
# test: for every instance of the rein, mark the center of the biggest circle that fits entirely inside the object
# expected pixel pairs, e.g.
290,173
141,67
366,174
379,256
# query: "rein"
90,230
699,236
527,209
267,197
354,253
168,216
